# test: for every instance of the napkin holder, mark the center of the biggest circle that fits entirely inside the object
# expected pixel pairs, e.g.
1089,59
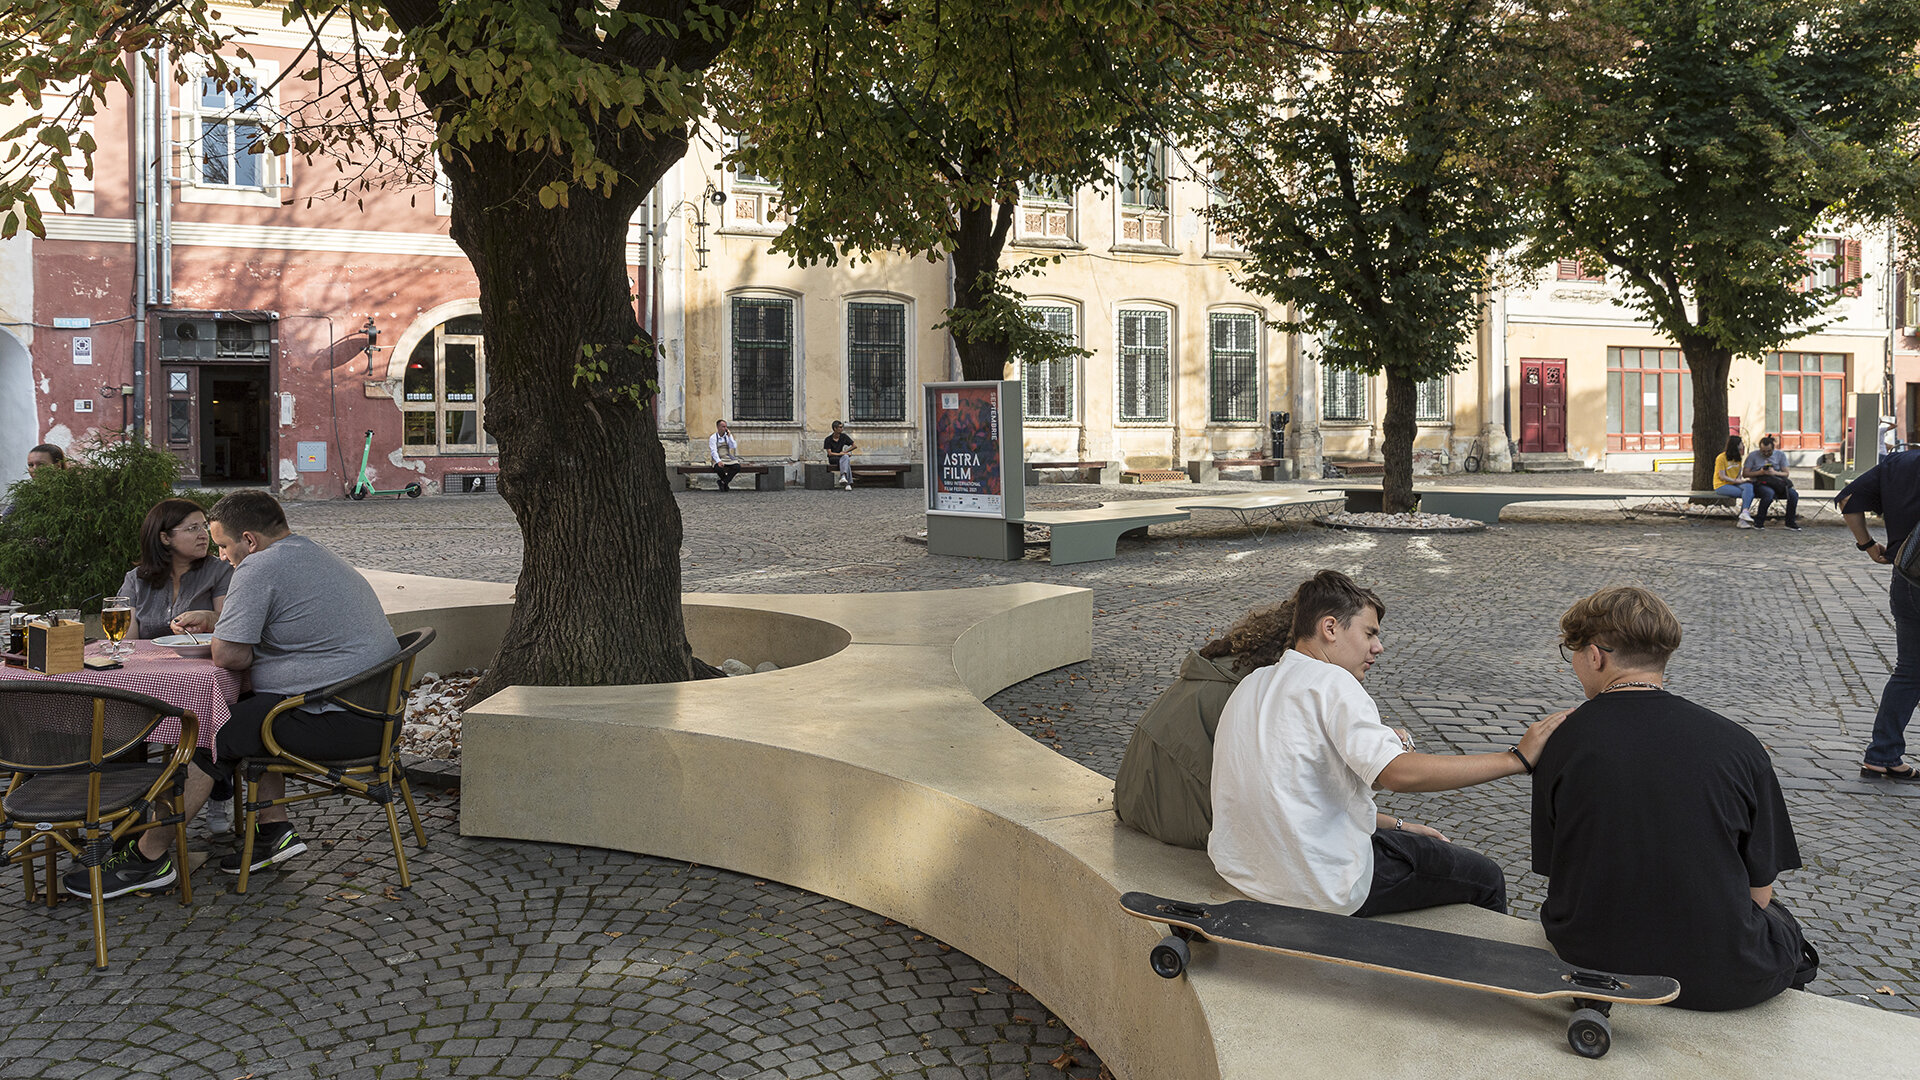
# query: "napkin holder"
56,649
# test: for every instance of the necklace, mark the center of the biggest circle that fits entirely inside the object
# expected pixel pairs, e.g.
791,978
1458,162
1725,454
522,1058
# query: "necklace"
1623,685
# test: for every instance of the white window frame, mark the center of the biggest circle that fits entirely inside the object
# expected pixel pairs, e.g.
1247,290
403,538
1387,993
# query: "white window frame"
1046,217
1362,391
908,382
1168,367
749,206
1219,240
1258,360
1071,363
440,404
797,350
1151,225
193,117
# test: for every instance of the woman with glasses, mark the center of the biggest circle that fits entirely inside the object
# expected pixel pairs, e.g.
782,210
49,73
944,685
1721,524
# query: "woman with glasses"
1728,482
176,573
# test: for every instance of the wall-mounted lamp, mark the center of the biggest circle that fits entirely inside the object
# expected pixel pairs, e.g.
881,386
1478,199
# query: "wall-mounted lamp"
373,335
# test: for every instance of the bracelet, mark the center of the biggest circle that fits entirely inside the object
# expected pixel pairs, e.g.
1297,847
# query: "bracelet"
1865,546
1524,763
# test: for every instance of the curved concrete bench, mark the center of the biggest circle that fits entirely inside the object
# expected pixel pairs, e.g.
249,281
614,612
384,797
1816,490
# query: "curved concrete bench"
877,777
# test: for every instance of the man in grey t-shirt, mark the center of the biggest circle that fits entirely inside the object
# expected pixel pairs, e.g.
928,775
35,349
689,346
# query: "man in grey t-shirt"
297,618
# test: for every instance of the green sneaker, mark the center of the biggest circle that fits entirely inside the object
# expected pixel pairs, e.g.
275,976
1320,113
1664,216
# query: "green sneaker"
123,872
275,842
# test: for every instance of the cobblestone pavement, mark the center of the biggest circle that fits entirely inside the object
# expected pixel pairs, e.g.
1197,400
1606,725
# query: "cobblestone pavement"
517,959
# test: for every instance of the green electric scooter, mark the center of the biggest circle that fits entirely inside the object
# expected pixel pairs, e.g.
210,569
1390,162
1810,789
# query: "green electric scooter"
363,486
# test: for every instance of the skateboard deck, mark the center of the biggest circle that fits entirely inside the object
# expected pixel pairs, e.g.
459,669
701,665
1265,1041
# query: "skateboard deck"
1498,967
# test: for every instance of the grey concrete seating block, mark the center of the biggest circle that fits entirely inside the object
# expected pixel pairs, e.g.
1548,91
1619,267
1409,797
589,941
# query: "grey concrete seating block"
1098,471
1485,503
964,828
765,477
1205,470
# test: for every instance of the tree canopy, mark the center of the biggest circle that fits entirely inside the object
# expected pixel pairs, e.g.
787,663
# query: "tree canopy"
1697,165
1373,163
911,126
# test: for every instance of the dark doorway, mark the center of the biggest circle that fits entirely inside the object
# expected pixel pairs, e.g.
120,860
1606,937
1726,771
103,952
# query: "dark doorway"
235,424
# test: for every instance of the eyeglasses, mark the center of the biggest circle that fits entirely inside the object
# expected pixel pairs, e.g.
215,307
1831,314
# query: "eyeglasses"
200,528
1568,655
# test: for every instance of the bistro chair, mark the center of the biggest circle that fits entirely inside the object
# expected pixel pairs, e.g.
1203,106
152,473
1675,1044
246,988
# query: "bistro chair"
376,696
79,782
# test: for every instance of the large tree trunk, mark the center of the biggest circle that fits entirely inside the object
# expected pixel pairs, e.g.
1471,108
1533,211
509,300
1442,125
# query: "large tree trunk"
1396,448
581,464
1710,366
979,239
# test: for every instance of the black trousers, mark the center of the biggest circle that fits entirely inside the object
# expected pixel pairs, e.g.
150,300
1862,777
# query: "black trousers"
1767,489
726,473
1412,871
332,736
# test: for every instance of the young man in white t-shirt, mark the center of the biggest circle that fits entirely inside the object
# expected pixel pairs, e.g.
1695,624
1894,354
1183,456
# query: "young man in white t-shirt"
1298,752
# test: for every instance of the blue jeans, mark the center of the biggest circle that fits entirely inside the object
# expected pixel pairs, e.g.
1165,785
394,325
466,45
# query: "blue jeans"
1745,491
1903,686
846,467
1411,871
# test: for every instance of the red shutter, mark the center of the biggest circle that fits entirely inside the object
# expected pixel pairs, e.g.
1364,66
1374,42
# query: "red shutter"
1850,270
1569,270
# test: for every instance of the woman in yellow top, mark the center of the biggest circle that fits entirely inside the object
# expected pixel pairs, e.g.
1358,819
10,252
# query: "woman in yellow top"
1728,482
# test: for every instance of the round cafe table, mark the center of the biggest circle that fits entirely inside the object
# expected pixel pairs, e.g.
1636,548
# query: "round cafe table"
189,682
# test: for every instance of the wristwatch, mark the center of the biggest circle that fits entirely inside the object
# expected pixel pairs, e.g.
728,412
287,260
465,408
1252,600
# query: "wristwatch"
1866,545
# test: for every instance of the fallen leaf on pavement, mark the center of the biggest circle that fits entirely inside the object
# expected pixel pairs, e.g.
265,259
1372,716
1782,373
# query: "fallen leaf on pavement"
1064,1062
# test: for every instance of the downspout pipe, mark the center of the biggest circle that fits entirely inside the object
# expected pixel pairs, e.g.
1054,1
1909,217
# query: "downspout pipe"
142,229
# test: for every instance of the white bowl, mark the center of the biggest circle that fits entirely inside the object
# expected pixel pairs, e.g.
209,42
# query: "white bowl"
198,645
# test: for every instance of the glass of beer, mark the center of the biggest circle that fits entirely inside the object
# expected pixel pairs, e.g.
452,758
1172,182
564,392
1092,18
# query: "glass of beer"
116,618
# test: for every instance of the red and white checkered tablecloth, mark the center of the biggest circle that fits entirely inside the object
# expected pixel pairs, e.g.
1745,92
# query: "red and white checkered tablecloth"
189,683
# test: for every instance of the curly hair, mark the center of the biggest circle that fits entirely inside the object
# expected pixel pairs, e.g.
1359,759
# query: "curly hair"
1257,640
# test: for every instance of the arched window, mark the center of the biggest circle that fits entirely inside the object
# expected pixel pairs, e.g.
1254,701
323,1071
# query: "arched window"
443,391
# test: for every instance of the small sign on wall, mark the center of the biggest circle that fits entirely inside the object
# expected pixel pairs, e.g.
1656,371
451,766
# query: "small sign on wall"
83,350
312,457
83,404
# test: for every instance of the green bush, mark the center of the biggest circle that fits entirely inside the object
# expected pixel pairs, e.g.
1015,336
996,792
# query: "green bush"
73,533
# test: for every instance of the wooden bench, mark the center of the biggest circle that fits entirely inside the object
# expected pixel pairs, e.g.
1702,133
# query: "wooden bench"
765,477
824,477
1034,468
1206,470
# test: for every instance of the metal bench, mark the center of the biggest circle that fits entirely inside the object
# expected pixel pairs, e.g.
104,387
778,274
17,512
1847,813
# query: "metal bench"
765,477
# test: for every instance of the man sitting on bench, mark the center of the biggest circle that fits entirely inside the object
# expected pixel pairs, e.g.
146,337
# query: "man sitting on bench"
1659,824
1299,749
839,446
723,453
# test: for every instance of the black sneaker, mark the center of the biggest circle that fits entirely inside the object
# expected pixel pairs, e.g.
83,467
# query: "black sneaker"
1793,526
1758,524
123,872
275,842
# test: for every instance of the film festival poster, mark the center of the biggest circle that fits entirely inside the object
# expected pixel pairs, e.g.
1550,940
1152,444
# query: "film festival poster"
967,444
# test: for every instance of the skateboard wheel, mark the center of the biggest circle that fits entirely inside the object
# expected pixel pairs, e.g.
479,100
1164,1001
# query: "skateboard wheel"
1589,1033
1169,958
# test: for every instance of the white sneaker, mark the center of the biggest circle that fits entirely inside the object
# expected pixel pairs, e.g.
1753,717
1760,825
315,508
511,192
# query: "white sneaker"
1746,519
219,815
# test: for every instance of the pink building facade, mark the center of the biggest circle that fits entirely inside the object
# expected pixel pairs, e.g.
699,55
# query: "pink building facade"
240,314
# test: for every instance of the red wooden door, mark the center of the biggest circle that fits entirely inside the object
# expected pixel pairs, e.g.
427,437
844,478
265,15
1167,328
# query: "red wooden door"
1543,406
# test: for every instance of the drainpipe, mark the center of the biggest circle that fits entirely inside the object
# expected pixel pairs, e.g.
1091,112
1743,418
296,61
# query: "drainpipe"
142,180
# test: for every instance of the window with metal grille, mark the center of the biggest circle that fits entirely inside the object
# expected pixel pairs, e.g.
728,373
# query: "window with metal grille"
1806,399
877,362
1649,400
1430,402
1145,364
1343,395
1049,383
762,358
1233,366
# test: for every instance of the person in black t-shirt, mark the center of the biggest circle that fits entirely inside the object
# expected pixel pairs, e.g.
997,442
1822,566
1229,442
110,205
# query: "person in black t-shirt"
1892,490
1660,824
839,446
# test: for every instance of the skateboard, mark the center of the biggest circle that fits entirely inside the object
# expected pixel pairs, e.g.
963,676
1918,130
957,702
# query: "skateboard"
1499,967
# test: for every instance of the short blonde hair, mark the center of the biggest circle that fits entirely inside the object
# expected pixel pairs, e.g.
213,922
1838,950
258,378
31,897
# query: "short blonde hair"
1635,624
